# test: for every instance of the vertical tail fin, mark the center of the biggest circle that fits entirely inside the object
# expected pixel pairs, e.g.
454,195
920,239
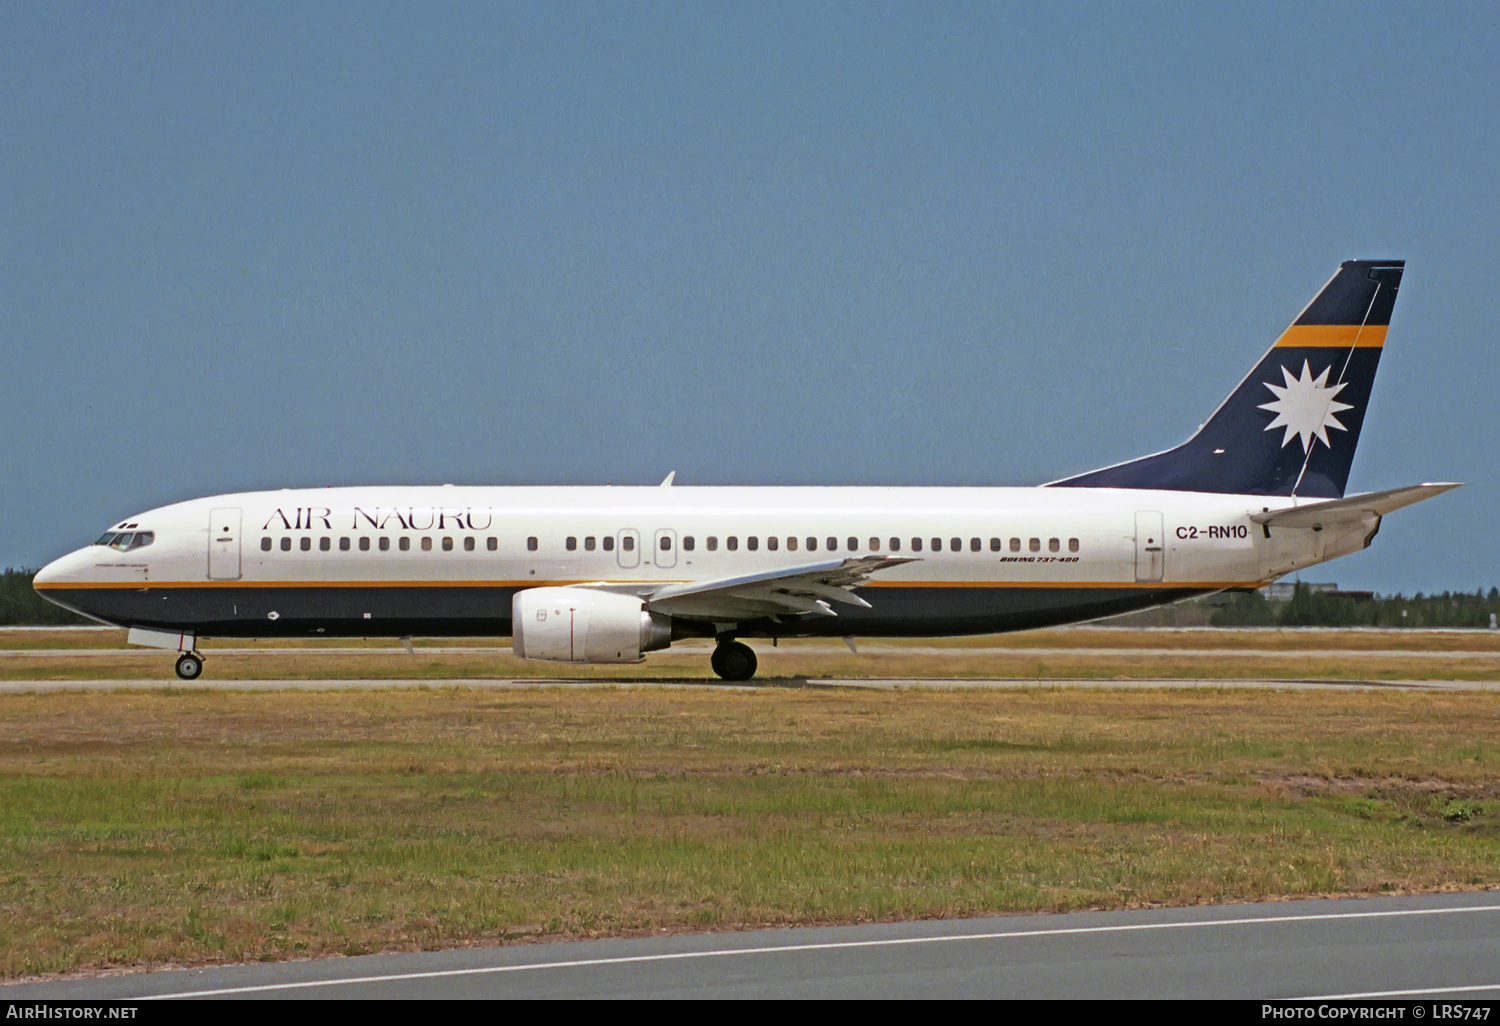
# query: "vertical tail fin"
1291,426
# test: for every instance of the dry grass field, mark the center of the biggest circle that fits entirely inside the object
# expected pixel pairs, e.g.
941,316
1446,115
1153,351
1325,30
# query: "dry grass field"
193,825
187,826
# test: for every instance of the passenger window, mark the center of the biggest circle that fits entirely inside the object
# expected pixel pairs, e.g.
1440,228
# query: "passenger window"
666,542
265,545
325,544
773,543
812,545
571,544
752,543
833,544
1053,545
713,544
1072,544
1015,545
447,543
937,545
469,544
731,543
874,544
895,544
588,544
609,543
364,544
306,544
492,544
916,544
343,544
853,544
531,544
994,544
688,543
404,544
1036,545
426,543
955,544
628,543
974,545
791,544
385,544
286,545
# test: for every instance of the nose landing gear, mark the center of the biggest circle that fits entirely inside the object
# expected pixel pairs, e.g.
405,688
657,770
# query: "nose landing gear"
733,660
189,665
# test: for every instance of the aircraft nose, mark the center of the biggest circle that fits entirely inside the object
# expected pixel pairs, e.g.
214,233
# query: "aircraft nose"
58,571
46,575
53,580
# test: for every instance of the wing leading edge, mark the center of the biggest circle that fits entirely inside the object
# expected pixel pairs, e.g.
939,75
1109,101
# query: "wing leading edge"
809,589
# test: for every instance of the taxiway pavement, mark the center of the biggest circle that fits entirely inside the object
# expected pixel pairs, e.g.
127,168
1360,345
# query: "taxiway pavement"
1445,945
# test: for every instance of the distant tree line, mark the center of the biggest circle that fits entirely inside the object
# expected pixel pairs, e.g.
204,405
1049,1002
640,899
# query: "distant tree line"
1308,608
20,605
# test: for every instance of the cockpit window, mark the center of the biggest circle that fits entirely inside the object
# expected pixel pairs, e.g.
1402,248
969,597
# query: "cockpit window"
124,541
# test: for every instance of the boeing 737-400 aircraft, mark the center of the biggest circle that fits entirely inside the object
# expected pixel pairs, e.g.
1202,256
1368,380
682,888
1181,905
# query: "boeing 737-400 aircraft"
604,575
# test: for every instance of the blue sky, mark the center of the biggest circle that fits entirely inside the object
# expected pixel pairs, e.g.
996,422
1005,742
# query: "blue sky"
252,246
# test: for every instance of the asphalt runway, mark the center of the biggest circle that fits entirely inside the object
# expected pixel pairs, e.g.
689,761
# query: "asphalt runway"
1439,946
13,687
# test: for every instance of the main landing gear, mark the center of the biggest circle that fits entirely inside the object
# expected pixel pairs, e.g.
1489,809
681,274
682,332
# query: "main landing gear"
189,665
733,660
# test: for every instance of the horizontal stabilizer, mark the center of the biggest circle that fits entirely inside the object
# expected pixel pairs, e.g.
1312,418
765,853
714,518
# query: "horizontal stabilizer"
1320,515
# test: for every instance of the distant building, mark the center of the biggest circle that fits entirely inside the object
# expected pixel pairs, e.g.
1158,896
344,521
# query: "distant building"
1282,591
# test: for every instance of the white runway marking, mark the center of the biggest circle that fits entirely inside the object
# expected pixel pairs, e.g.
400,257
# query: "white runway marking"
847,945
1402,993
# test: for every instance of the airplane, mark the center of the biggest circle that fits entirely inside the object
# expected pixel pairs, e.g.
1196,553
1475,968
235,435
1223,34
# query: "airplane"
608,574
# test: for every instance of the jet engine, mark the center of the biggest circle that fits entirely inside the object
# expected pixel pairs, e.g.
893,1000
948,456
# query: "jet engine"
581,625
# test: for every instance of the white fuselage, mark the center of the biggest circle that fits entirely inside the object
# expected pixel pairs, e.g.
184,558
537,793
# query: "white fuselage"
378,560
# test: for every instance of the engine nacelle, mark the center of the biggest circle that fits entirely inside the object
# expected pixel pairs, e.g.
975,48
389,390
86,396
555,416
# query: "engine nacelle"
581,625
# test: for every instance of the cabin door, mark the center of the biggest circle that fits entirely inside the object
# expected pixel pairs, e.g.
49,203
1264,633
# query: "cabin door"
1150,546
628,548
224,545
666,548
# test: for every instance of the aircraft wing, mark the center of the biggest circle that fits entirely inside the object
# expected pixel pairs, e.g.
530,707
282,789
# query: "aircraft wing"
1320,515
811,588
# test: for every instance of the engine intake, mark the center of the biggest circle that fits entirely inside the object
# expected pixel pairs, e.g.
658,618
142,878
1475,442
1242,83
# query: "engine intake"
581,625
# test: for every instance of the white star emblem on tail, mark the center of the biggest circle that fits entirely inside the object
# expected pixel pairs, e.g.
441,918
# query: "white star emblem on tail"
1305,407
